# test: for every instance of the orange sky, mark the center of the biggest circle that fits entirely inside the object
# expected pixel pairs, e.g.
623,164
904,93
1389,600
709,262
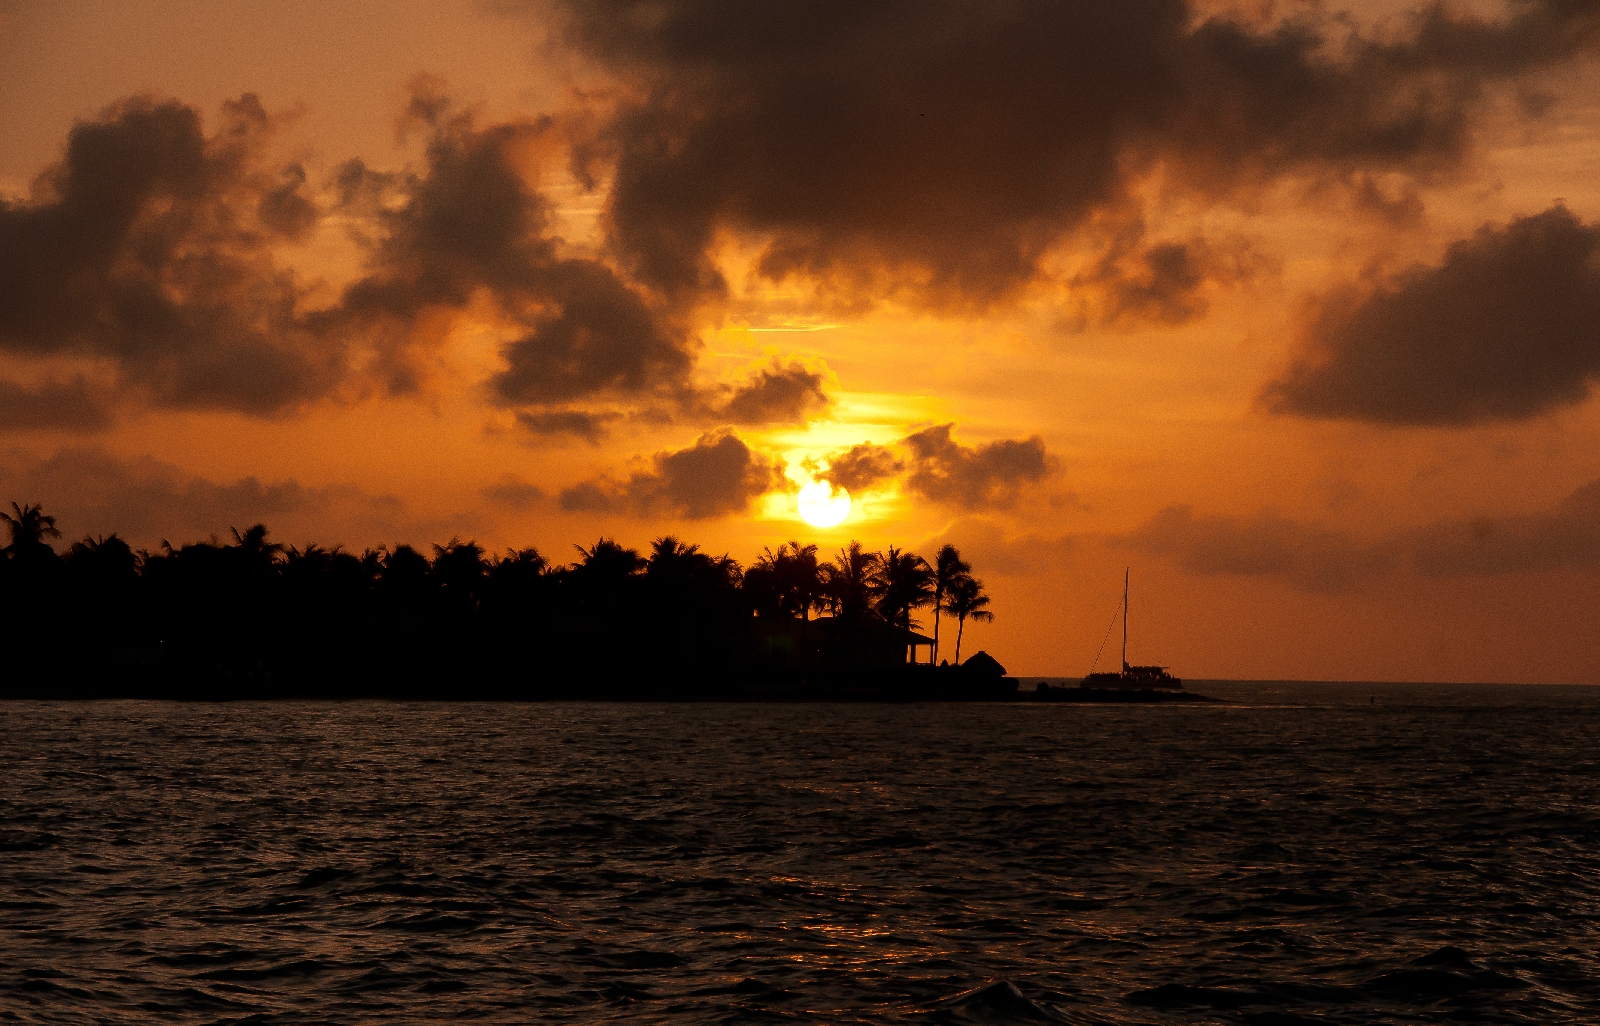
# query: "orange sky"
1297,315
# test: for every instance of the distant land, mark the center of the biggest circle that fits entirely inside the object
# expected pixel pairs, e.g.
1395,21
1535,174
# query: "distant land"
249,618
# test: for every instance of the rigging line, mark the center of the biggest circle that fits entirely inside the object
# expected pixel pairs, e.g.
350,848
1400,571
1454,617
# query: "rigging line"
1107,638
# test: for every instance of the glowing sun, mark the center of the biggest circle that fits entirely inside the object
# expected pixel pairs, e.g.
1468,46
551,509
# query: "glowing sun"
822,506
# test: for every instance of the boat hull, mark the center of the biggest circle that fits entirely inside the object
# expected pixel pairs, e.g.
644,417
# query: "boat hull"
1134,679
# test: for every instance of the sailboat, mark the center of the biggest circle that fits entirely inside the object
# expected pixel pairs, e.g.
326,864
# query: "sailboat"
1143,677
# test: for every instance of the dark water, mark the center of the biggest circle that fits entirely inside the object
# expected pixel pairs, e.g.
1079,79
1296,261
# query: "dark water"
1302,857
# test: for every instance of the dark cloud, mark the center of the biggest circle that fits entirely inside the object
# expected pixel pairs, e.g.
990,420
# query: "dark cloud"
862,466
602,339
71,405
1319,559
285,210
934,465
991,475
1566,536
590,427
717,476
149,248
474,226
945,147
1401,211
591,497
779,394
514,493
1507,327
146,501
1166,283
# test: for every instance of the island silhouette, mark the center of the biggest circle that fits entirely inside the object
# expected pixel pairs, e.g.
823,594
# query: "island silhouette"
247,617
250,618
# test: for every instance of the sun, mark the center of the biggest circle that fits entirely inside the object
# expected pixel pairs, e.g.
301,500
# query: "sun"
823,506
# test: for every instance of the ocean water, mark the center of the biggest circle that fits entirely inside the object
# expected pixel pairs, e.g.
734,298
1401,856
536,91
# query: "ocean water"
1306,854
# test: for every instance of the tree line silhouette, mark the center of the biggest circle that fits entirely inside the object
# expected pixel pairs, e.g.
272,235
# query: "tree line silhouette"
249,616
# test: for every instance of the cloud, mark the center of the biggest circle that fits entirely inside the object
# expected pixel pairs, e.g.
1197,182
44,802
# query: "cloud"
475,226
1162,283
862,466
149,249
943,470
934,465
992,550
601,339
717,476
943,148
591,427
779,394
592,497
1265,545
514,493
70,405
1507,327
1323,560
145,500
1566,536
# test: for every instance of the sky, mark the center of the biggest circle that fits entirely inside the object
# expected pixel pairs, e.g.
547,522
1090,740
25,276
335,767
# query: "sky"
1292,310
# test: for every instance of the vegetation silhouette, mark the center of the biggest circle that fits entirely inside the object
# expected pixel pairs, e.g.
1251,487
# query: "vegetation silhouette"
252,618
948,569
967,602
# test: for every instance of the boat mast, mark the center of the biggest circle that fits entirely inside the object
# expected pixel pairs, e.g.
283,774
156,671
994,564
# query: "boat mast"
1125,619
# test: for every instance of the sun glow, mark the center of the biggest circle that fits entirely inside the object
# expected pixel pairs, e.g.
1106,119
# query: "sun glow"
821,505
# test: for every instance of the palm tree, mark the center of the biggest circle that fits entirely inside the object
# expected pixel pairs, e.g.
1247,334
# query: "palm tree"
676,565
459,569
800,577
518,583
948,568
846,583
968,602
671,572
693,599
259,556
667,552
520,564
606,558
107,557
29,529
904,582
405,570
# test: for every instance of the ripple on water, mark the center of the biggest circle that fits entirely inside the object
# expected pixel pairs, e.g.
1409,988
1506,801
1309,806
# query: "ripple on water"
1308,859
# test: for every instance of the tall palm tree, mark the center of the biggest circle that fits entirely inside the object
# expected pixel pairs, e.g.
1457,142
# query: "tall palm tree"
968,602
948,568
847,582
694,599
802,586
801,578
672,571
904,582
787,581
29,529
